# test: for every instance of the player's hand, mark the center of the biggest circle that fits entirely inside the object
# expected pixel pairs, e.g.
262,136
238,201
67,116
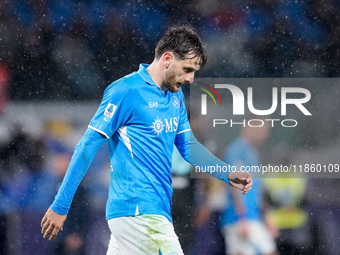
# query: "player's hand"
241,180
52,222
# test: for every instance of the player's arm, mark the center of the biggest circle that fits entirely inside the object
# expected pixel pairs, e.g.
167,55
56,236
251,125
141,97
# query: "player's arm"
196,154
83,155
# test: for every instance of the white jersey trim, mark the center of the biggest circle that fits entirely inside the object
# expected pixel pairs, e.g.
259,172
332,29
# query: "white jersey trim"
122,131
180,132
100,132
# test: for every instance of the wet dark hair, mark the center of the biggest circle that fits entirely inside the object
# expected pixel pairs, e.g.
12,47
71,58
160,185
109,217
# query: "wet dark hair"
182,41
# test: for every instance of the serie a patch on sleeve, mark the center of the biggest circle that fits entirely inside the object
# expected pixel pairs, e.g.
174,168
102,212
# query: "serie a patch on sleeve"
109,111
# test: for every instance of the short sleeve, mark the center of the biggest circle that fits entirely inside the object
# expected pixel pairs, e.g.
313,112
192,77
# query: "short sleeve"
115,109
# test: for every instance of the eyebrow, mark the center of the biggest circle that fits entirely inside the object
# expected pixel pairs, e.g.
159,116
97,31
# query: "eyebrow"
190,69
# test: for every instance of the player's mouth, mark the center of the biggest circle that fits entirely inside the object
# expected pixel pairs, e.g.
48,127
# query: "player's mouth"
179,84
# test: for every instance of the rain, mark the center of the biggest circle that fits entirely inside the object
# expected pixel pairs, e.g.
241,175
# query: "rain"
58,57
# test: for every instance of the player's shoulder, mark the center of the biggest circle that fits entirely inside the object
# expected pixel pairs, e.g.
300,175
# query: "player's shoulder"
126,84
181,97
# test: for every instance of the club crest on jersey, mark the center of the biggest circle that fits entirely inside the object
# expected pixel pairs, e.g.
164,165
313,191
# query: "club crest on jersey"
109,111
157,126
175,102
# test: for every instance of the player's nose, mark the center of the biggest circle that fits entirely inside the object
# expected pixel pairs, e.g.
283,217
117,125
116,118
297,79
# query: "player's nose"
190,77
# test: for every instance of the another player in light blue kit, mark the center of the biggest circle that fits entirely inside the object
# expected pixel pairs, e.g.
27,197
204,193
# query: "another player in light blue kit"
246,230
142,115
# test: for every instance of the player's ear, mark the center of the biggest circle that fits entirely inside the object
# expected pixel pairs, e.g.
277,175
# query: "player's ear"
167,58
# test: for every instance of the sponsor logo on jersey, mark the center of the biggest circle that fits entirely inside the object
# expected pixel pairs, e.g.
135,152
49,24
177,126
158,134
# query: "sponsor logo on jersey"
109,111
153,104
157,126
175,102
171,125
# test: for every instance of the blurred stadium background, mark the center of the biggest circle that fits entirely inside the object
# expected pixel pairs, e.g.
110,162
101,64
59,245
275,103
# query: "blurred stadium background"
57,57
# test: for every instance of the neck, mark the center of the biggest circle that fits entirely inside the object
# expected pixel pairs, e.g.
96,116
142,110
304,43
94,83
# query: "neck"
155,71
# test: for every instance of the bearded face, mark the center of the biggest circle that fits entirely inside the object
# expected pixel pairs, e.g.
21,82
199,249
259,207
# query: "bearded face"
180,72
172,81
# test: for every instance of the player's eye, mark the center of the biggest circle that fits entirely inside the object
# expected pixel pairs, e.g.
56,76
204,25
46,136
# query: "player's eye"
188,70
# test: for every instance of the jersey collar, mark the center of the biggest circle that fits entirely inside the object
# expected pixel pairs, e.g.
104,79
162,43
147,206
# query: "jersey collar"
145,75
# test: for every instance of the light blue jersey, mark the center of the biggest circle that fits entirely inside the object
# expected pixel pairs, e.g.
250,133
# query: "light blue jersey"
241,153
141,123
